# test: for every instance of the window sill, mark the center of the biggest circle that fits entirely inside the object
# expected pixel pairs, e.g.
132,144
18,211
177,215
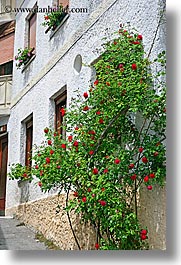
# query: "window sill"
28,63
53,32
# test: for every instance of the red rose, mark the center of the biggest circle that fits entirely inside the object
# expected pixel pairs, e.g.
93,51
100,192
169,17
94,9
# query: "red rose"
117,161
47,17
58,167
36,166
149,187
70,138
143,237
85,95
133,177
84,199
46,130
152,175
76,143
62,111
141,149
120,66
39,154
103,189
51,152
55,134
63,146
144,160
89,189
76,194
48,160
108,84
96,82
115,42
136,42
39,184
143,232
101,121
98,112
41,172
49,142
97,246
25,175
91,152
105,170
134,66
131,166
93,195
156,154
92,132
140,37
76,128
103,203
85,108
146,179
95,171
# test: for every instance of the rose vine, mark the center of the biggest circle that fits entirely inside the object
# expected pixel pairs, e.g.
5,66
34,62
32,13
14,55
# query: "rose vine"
114,144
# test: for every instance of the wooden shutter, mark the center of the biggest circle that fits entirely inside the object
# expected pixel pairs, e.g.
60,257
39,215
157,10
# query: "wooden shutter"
32,31
29,141
60,102
6,48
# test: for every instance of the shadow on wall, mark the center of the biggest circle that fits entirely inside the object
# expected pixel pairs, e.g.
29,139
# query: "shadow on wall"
24,191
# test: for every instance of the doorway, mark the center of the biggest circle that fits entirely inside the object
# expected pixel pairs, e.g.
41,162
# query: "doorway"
3,172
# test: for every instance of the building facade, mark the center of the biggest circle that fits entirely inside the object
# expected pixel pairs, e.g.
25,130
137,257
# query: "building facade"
59,64
7,32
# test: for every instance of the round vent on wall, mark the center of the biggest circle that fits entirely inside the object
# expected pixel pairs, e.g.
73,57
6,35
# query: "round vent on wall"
78,64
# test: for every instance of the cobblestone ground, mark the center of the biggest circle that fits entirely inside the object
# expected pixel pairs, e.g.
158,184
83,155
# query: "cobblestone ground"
15,236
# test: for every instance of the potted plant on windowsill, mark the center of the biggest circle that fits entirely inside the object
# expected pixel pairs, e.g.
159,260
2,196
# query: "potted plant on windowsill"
23,56
54,19
20,173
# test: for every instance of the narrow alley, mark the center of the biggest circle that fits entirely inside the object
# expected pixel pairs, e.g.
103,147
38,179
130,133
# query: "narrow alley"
14,235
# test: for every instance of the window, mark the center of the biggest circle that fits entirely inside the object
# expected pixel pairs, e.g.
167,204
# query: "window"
60,102
32,31
65,3
6,69
29,141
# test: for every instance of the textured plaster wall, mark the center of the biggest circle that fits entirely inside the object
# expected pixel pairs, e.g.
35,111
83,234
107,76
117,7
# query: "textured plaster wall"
46,47
4,120
152,214
80,35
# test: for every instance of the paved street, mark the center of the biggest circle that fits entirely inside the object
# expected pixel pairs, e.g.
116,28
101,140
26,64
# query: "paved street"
16,236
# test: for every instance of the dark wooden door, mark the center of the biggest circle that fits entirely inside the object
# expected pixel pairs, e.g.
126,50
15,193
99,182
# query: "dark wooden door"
3,172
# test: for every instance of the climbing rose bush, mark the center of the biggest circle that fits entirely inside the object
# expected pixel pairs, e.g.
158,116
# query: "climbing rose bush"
115,133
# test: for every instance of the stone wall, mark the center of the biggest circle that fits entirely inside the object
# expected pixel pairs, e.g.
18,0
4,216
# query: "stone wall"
42,217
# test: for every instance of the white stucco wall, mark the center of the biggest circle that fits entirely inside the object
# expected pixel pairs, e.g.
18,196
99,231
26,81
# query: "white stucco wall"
53,67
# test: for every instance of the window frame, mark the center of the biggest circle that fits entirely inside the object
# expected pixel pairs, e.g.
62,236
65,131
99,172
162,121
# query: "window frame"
29,33
4,68
28,141
56,3
60,102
